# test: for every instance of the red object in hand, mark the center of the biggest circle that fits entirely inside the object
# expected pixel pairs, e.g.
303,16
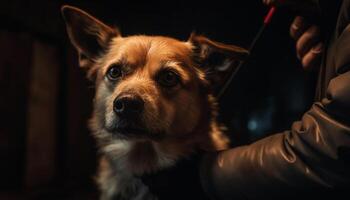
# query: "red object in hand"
269,15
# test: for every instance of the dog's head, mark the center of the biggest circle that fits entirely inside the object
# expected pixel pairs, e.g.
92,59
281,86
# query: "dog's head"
148,87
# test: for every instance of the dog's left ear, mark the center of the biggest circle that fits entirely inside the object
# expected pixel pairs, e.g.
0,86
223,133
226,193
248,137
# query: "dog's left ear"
215,58
89,36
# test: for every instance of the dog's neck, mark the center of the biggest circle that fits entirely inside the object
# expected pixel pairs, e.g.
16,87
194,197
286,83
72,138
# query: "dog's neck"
140,157
152,156
146,157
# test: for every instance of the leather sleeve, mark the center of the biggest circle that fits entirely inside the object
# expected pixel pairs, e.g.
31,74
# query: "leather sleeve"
314,154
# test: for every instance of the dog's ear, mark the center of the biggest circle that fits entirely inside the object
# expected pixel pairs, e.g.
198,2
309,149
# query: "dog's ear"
89,36
215,58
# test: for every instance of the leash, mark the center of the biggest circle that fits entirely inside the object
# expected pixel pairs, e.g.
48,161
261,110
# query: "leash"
267,21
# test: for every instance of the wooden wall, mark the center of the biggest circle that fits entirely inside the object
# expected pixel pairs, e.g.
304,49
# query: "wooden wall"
46,151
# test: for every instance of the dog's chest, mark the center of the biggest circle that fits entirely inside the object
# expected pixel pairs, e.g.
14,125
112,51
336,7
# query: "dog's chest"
171,179
180,181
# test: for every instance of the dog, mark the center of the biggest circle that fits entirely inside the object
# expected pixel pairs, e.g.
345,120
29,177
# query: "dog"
154,104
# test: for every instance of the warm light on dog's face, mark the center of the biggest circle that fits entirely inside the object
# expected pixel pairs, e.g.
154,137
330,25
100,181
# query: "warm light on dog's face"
148,88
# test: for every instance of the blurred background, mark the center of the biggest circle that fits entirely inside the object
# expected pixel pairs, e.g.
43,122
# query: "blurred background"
46,151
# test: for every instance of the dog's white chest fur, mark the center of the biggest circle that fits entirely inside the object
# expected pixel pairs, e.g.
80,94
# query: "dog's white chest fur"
118,181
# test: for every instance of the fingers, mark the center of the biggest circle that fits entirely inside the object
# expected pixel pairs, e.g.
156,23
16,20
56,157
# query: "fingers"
298,27
313,57
308,46
307,40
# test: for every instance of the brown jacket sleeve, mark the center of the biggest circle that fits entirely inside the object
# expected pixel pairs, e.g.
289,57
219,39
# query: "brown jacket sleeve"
312,157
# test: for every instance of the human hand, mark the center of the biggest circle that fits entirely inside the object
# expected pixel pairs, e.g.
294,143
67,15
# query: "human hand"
307,36
309,47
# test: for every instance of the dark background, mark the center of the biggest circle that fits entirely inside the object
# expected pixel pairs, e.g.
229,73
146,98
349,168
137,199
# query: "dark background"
46,151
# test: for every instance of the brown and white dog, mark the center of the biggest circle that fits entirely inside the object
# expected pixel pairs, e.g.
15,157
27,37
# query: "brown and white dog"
153,104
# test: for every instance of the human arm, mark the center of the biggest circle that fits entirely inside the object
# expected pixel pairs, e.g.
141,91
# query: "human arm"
313,156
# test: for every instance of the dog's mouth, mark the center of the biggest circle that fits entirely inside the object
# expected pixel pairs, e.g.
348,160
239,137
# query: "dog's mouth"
128,129
132,131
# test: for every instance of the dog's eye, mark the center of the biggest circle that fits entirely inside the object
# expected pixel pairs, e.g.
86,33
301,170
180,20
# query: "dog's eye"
114,73
168,79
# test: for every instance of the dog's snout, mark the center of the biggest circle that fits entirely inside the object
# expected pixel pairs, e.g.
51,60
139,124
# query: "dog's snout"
128,105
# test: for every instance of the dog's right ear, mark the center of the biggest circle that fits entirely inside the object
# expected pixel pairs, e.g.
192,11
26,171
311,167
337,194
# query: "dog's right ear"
89,36
215,58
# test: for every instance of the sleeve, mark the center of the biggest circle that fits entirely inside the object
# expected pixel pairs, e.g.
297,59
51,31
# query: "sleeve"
315,153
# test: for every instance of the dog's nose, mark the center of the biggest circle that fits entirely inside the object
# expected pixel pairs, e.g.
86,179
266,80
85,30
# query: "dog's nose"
128,105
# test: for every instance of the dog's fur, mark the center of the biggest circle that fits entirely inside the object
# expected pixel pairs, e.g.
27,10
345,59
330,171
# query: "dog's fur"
176,121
